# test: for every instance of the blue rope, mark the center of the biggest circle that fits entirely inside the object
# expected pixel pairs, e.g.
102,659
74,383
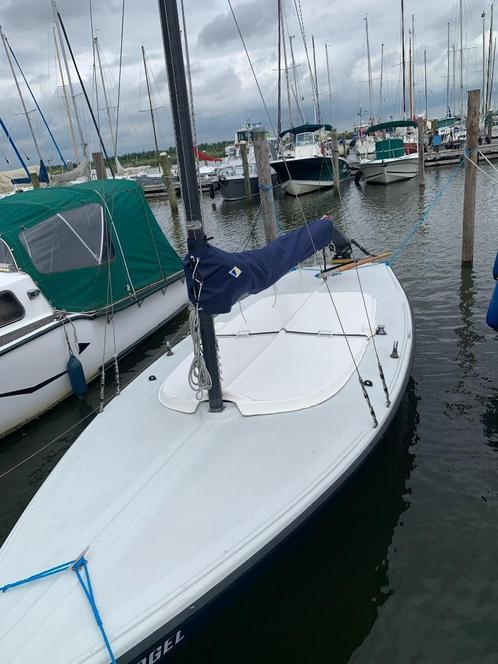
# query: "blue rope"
75,565
420,221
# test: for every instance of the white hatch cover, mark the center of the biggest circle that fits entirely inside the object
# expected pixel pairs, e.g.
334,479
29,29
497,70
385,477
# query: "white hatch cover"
283,354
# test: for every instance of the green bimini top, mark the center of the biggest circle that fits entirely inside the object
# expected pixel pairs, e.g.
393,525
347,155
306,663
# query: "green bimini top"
304,128
390,125
89,245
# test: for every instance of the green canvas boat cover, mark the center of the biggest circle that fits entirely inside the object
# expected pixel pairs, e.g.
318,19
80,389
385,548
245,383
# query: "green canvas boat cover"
389,148
89,245
391,125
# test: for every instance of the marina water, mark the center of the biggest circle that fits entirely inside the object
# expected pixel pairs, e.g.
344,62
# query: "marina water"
399,566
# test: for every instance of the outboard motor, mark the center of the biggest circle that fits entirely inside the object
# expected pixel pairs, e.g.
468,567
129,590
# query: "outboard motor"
340,245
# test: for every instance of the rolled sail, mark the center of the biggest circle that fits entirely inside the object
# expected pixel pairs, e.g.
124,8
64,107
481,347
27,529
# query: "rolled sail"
217,279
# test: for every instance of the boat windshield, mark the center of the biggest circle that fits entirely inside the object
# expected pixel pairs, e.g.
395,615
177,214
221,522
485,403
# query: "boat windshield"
7,262
307,138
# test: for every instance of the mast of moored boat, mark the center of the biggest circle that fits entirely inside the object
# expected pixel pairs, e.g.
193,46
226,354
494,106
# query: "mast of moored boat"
369,64
381,110
66,101
403,63
23,103
425,81
181,112
483,16
106,98
410,82
286,70
488,73
150,102
279,84
448,77
328,78
461,61
69,81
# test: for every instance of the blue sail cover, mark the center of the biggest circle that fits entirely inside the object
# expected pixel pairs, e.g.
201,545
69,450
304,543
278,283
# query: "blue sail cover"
226,277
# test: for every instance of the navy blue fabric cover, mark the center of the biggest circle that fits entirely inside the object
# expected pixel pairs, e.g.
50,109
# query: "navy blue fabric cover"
495,267
226,277
492,316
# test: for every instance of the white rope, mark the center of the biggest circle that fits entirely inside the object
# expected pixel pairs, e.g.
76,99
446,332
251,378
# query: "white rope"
199,378
481,169
484,156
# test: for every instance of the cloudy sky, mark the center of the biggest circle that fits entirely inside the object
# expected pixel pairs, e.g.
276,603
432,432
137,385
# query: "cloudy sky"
224,89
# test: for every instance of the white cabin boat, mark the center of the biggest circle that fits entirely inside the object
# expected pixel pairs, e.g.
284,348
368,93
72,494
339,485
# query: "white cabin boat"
394,159
85,273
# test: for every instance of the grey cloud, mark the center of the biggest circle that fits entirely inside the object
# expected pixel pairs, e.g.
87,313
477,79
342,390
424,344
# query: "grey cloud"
252,17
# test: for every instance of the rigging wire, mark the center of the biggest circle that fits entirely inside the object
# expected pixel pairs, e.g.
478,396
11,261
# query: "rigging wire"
115,146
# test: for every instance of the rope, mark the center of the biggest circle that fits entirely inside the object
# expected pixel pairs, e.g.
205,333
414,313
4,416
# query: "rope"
422,218
465,154
78,565
484,156
198,374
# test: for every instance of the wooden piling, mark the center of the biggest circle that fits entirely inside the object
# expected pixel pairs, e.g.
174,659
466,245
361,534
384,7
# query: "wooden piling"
245,168
489,126
335,160
262,156
421,152
35,180
98,162
469,196
165,162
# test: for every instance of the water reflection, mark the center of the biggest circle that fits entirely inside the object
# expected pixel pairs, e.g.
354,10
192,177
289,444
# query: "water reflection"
299,604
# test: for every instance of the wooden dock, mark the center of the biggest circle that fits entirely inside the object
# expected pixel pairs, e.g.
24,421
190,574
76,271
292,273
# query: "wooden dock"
448,157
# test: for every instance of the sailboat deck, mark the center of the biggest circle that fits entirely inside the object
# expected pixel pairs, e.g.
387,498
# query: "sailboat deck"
171,504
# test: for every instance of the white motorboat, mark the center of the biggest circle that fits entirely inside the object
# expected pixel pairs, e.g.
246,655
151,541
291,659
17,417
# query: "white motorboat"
170,494
393,159
85,274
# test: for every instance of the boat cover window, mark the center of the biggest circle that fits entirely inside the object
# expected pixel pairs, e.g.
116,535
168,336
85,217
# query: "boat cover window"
7,262
69,240
11,310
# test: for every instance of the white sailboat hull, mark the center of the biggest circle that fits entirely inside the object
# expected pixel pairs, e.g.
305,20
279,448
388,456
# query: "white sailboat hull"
180,504
385,171
34,366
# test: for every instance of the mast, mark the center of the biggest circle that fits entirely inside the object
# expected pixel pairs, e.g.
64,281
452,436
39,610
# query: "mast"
410,83
489,60
44,120
492,75
180,109
150,101
403,63
425,82
381,103
413,68
317,102
448,77
483,16
106,98
70,83
94,64
328,78
286,69
296,89
66,102
279,84
25,110
369,63
454,79
461,61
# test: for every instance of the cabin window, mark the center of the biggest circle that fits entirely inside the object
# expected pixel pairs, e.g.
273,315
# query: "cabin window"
305,139
69,240
7,262
11,310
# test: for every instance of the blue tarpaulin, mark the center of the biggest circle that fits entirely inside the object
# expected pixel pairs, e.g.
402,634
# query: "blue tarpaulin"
226,277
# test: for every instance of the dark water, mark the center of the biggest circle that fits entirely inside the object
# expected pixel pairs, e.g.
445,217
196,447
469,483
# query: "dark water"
401,566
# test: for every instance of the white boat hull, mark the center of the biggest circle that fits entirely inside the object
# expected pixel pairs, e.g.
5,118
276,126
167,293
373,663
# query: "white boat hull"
34,366
180,505
385,171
